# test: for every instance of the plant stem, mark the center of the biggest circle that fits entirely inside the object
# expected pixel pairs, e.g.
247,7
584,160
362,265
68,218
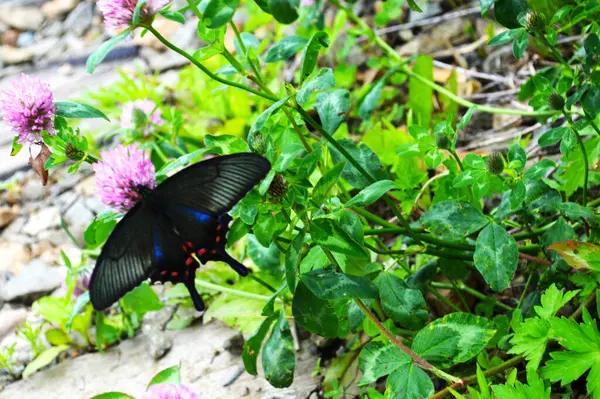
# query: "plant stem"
211,75
457,159
553,50
442,298
262,282
227,290
461,286
391,53
585,158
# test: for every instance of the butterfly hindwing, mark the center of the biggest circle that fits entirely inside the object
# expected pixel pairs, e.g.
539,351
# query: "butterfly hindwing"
125,260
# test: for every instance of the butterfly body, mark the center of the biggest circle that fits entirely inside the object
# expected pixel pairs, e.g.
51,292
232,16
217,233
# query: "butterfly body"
183,221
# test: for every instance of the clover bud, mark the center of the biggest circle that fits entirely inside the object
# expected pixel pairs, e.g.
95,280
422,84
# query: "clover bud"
495,163
556,102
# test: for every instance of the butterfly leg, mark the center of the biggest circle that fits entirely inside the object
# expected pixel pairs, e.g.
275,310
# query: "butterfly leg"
196,299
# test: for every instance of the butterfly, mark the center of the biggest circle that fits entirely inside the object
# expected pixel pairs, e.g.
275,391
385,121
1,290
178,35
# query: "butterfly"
182,221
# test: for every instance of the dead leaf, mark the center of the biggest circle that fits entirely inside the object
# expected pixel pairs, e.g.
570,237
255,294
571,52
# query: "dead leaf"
38,163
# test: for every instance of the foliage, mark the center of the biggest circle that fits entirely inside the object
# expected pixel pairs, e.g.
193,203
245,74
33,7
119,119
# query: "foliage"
348,235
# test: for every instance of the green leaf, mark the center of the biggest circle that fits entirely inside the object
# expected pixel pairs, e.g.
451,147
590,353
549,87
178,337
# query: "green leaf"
264,5
227,143
136,12
268,258
264,229
327,182
436,345
44,359
142,300
486,5
409,382
278,358
473,334
284,11
517,194
97,56
219,12
16,147
112,395
285,48
327,283
507,12
421,94
576,212
329,234
535,389
371,193
453,219
530,339
504,37
57,337
560,231
53,309
292,260
464,121
332,107
311,53
69,109
520,44
552,136
171,375
326,318
369,103
252,346
378,359
260,122
591,102
365,157
578,254
496,256
324,80
539,169
552,301
173,16
404,305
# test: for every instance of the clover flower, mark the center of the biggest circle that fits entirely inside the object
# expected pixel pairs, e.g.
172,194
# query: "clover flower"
123,175
27,106
153,115
118,14
169,391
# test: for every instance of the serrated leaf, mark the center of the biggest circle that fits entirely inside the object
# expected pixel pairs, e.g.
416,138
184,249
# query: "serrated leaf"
378,359
327,283
552,136
326,318
436,345
496,256
278,358
365,157
404,305
552,301
453,219
409,382
578,254
329,234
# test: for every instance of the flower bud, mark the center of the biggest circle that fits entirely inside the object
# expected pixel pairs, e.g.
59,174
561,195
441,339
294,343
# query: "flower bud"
556,102
535,21
257,143
73,153
278,188
442,141
495,163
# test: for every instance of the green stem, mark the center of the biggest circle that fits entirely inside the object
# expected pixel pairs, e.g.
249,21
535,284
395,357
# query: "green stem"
262,282
457,159
463,287
585,158
396,58
227,290
445,300
194,7
199,65
552,49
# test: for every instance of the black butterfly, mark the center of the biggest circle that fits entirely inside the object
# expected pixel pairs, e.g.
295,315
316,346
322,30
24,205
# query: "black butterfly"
185,215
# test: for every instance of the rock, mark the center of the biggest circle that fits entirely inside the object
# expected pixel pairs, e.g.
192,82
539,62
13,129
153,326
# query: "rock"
42,47
95,205
56,237
13,256
8,214
65,200
22,18
235,344
10,37
22,354
25,39
80,20
10,318
14,55
158,343
159,319
205,368
33,190
55,8
35,280
44,219
51,29
77,218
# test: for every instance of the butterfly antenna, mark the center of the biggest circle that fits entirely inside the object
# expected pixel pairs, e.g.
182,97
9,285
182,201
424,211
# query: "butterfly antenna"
198,302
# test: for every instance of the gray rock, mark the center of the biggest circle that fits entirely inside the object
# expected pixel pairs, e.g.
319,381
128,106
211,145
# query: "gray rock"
77,218
25,39
95,205
22,354
10,318
205,367
66,200
56,237
36,280
51,29
42,47
158,320
158,343
45,219
14,55
80,19
22,18
33,190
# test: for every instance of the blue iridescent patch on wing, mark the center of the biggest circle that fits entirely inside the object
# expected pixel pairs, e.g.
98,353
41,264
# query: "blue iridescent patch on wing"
158,253
199,216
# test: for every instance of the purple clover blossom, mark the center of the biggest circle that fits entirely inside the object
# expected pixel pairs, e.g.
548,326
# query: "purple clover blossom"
82,285
169,391
147,107
307,3
122,175
27,106
118,14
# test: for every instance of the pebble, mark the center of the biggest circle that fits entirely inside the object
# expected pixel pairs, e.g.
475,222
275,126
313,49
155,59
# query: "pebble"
25,39
8,214
22,18
13,55
13,256
158,344
44,219
10,37
33,190
80,19
10,318
35,280
77,218
55,8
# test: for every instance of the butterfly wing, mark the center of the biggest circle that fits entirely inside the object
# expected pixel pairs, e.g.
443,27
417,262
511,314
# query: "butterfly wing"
126,258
